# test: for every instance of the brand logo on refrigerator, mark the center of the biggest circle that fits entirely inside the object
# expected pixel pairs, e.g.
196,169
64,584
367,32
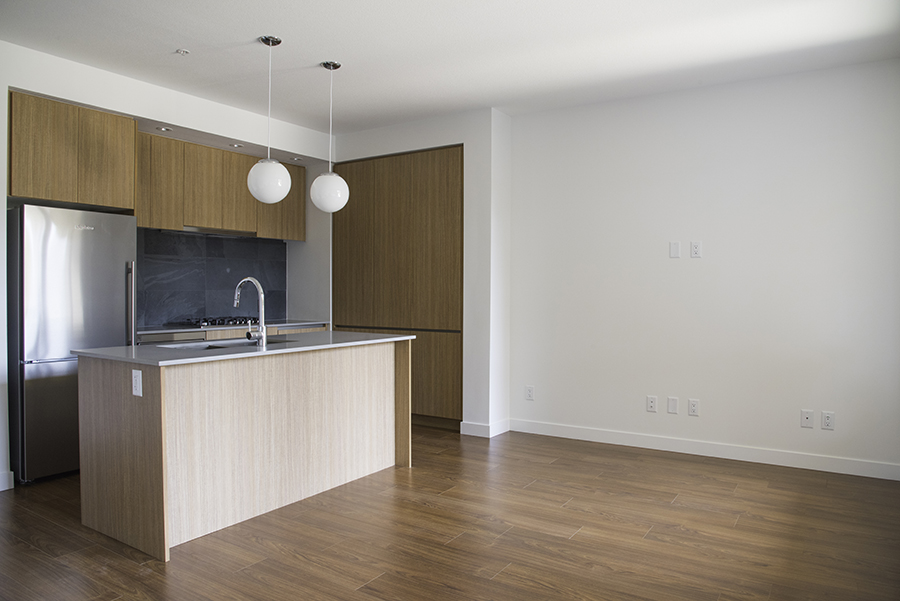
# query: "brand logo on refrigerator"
84,227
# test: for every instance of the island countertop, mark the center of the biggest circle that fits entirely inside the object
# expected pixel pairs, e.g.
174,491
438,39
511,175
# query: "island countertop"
176,353
270,323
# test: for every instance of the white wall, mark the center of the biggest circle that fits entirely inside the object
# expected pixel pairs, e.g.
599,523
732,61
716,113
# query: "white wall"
44,74
309,262
485,191
793,186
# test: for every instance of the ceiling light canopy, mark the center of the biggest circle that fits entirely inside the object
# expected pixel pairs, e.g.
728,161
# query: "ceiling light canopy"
329,192
269,180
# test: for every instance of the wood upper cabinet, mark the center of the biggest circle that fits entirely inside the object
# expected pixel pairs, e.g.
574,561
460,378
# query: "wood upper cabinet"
66,153
285,220
106,159
214,192
237,204
398,242
204,186
159,198
43,148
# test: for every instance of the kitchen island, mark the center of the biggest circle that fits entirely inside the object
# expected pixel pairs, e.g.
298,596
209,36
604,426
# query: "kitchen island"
181,440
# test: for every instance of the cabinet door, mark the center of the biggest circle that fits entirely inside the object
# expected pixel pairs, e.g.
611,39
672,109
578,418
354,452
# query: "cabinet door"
373,244
227,334
204,170
280,331
354,247
43,154
143,195
436,239
398,242
436,371
238,205
105,159
285,220
159,198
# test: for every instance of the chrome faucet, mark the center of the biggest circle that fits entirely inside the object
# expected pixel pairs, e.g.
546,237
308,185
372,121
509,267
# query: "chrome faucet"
260,335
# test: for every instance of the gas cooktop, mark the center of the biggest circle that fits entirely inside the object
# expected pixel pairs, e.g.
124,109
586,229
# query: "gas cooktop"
202,322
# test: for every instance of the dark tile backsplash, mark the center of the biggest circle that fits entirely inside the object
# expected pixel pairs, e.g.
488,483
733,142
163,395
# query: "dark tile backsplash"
186,275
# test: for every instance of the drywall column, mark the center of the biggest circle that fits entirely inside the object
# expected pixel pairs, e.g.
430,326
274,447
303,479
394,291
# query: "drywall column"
309,262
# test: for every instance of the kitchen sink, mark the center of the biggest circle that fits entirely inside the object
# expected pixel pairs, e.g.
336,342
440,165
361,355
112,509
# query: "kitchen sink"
207,344
231,343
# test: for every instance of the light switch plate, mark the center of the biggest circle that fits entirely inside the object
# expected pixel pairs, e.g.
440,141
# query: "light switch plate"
673,404
674,250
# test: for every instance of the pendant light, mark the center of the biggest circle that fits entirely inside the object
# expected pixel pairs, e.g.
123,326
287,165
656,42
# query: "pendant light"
329,192
269,180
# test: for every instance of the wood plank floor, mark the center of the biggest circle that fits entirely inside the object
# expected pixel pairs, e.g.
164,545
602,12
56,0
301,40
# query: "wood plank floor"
516,517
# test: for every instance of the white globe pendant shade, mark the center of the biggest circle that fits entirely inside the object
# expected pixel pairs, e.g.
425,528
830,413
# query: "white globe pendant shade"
269,181
329,192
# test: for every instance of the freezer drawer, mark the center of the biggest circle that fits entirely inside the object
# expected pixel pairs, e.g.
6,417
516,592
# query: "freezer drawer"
49,436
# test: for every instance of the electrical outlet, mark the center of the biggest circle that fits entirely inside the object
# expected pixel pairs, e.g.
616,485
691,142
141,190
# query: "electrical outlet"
136,384
529,393
806,418
828,420
694,407
673,404
696,250
651,403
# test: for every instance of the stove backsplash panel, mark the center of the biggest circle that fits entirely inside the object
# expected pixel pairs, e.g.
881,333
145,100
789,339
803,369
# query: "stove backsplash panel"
187,275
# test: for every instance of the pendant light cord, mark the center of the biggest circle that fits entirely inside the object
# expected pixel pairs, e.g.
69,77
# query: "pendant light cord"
269,126
330,116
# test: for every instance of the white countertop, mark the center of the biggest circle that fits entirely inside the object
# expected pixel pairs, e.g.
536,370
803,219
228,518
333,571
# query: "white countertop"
166,354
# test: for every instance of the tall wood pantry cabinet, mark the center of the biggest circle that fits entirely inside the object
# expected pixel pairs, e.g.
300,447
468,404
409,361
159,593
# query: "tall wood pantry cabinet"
397,264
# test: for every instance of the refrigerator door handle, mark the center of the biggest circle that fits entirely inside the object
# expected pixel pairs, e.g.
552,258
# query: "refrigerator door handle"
131,300
44,361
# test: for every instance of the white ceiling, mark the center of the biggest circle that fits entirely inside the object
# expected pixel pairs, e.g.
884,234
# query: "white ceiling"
409,59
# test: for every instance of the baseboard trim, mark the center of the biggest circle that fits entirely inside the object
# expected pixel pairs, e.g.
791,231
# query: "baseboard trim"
484,430
840,465
7,481
475,429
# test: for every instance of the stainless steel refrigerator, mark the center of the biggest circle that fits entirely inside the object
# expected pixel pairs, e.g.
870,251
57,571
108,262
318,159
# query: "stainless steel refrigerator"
70,287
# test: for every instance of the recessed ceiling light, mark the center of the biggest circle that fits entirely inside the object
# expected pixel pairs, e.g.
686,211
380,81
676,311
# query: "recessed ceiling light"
183,51
236,145
163,128
297,159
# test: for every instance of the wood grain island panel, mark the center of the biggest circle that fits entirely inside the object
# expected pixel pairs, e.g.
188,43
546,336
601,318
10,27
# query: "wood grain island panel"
214,443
